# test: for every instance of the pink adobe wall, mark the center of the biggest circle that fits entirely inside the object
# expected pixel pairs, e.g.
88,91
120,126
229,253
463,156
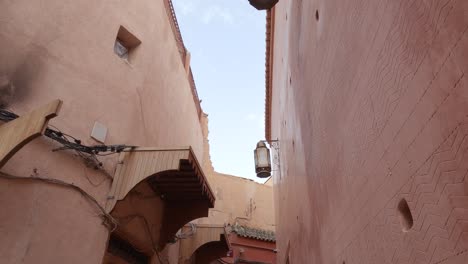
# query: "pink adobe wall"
240,200
64,49
370,104
67,52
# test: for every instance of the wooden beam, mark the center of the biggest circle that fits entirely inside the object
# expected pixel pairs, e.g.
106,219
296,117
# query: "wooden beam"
191,180
178,174
19,132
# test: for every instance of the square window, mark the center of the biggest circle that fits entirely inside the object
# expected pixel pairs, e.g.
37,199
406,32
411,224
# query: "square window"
125,43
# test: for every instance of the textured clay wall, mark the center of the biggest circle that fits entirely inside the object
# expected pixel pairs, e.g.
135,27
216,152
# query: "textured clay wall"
241,200
370,103
64,49
237,199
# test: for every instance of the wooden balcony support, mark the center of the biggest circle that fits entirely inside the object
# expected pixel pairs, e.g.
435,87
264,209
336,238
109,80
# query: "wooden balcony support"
19,132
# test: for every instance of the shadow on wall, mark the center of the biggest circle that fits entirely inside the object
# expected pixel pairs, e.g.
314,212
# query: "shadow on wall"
16,84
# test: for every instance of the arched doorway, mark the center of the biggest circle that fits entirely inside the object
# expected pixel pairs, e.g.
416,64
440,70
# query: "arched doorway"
202,234
209,252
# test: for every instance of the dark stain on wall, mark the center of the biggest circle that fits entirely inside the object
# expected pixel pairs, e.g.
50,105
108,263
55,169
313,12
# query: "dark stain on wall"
6,90
16,84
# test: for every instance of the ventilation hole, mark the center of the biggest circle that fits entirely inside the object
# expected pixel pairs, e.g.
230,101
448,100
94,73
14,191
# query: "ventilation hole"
290,80
406,218
316,15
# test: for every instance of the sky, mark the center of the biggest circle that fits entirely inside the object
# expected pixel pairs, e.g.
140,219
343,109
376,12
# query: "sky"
226,39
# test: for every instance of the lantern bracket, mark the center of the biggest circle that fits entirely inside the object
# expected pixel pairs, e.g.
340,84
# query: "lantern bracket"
275,144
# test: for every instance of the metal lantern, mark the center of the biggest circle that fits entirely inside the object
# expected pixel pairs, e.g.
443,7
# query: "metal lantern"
263,4
262,160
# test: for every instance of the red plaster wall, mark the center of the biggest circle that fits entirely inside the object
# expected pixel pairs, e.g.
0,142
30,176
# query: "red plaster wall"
251,250
370,104
64,49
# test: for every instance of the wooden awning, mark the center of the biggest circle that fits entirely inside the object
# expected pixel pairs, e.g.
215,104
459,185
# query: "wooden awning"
174,174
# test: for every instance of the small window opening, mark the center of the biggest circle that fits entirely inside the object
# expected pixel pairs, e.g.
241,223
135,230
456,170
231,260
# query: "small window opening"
406,218
120,49
317,15
123,250
125,43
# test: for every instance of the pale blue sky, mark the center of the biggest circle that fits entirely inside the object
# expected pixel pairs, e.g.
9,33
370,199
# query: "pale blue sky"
227,41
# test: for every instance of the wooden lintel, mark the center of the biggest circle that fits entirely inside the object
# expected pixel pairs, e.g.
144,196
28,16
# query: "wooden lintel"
17,133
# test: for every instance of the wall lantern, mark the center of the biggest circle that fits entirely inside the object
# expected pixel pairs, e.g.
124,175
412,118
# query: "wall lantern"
262,160
263,4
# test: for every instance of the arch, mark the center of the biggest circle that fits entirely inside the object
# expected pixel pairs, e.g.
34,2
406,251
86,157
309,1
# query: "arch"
209,252
155,192
203,235
174,173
